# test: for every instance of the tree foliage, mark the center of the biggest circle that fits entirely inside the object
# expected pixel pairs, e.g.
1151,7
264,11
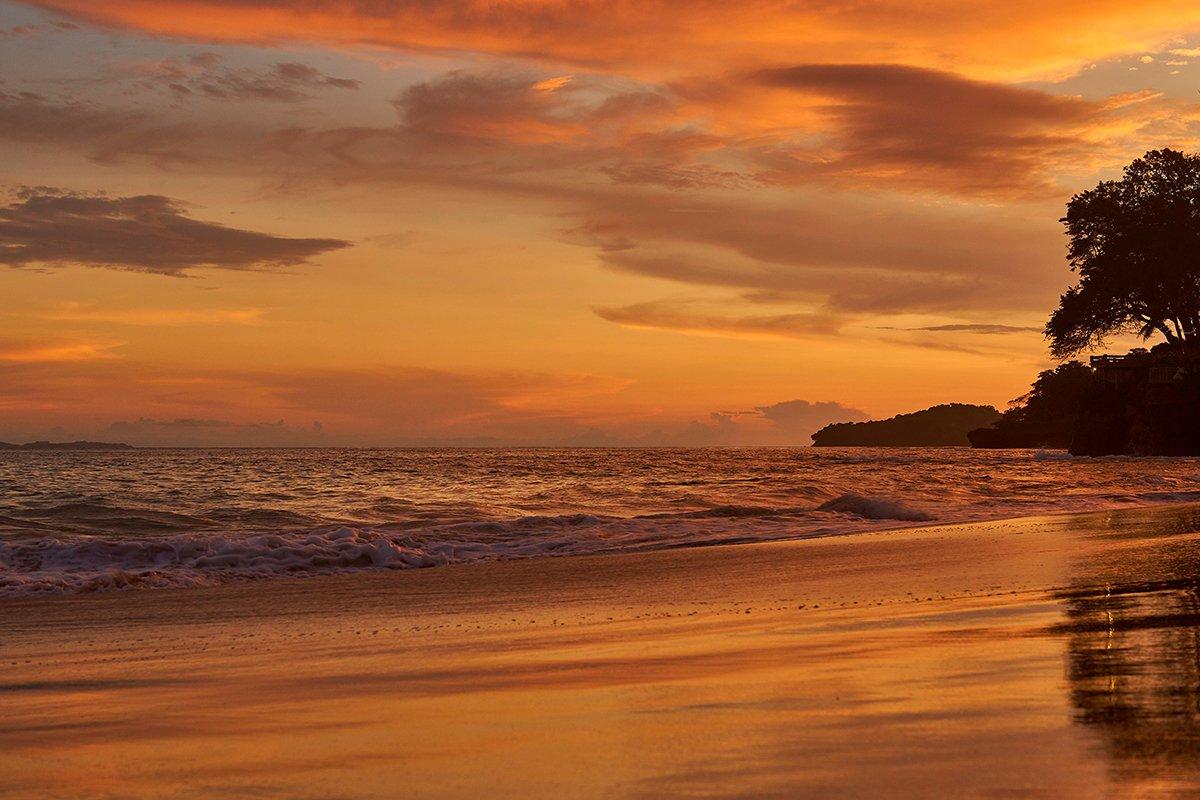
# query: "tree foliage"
1135,245
1046,415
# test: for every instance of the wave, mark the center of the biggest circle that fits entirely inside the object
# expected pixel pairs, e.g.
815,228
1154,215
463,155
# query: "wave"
40,559
85,563
876,508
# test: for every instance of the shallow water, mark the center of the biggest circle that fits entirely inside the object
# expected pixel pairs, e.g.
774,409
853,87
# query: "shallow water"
72,521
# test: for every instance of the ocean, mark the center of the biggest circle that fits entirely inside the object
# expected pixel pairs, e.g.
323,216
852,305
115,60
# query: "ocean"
79,521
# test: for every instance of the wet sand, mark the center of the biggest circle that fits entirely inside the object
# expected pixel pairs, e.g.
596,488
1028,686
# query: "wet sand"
1042,657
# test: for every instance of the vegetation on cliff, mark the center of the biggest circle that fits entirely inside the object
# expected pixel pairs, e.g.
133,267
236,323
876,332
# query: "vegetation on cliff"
1044,417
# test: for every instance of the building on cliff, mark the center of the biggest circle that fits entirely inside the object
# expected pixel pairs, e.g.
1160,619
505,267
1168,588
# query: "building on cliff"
1138,366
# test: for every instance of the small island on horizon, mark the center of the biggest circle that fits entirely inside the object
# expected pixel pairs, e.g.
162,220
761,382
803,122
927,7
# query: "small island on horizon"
78,445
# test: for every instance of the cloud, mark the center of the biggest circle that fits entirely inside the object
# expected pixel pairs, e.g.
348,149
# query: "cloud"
789,423
794,416
202,74
512,108
53,352
518,131
683,318
145,233
927,128
971,327
778,184
164,317
657,194
193,432
109,135
162,405
844,254
496,124
1004,38
59,26
158,403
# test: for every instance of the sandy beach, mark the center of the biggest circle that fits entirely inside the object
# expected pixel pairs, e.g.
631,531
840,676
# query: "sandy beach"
1042,657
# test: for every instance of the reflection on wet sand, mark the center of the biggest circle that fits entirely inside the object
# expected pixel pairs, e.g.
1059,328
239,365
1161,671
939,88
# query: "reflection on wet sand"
1133,653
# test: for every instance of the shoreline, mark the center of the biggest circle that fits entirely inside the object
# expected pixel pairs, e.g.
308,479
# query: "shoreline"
1036,657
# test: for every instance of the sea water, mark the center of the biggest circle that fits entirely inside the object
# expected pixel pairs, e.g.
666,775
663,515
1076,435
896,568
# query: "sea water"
73,521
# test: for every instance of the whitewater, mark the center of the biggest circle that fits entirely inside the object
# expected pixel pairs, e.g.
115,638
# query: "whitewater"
74,521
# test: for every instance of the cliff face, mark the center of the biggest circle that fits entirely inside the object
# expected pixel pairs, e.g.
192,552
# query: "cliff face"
939,426
1139,421
1005,434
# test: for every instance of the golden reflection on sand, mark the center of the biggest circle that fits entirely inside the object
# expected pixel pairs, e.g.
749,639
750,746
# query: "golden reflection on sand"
1056,657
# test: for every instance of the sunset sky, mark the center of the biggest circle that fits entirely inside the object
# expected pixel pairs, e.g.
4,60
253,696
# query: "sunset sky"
376,222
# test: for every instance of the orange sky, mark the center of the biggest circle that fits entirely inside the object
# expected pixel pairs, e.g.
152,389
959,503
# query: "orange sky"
300,222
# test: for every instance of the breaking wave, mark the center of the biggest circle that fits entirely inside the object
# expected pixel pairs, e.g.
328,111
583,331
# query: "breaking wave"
202,518
89,563
875,508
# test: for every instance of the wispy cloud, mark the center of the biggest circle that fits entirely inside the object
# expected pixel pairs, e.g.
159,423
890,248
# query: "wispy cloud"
204,75
52,352
684,317
984,328
165,317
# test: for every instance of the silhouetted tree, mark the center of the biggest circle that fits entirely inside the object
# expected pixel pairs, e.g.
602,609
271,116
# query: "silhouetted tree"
1135,244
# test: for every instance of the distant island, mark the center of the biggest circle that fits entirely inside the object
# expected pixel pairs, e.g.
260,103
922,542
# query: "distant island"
940,426
81,445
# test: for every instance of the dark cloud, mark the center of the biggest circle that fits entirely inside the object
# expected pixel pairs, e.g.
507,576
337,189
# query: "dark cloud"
685,318
202,74
495,124
971,327
842,253
928,128
145,233
38,30
102,134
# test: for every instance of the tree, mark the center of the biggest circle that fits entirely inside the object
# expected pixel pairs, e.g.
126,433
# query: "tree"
1135,245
